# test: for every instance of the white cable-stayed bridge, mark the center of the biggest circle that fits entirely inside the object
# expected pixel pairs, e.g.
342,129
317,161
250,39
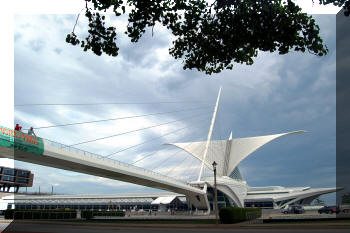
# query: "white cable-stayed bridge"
227,153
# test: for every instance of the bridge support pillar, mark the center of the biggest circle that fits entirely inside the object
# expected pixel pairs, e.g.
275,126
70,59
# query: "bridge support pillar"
200,202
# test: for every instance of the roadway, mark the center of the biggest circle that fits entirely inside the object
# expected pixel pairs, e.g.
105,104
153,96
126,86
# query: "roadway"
71,227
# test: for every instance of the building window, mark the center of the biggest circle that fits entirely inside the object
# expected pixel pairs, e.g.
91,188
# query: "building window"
8,178
22,180
262,204
8,171
23,173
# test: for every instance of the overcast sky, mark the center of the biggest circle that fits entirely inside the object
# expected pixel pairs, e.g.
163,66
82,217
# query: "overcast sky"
277,94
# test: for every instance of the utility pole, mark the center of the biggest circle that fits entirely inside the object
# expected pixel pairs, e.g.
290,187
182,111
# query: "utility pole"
216,195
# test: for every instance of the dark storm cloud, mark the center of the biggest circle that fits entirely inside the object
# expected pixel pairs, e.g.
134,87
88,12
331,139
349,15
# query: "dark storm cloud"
142,53
276,94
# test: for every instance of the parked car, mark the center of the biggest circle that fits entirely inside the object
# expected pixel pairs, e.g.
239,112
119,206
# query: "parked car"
329,210
286,210
294,209
298,209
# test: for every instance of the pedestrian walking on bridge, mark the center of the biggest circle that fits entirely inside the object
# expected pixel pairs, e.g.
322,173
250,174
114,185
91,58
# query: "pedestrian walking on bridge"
31,131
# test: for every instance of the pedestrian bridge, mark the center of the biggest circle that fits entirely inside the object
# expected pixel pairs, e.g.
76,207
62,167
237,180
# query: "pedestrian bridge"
22,147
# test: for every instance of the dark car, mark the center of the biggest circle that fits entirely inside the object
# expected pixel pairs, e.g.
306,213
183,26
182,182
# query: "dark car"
329,210
298,209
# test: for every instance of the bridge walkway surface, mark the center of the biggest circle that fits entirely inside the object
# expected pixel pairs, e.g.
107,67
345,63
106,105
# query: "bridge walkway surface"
22,147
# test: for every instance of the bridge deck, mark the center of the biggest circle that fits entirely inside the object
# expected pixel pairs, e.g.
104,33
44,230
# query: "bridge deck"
20,146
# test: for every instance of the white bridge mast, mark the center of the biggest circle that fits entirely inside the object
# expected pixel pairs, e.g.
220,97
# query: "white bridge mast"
209,134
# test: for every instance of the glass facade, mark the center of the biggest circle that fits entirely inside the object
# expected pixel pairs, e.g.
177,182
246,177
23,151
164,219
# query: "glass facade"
135,204
9,171
260,204
24,174
22,180
11,179
88,207
223,200
236,174
8,178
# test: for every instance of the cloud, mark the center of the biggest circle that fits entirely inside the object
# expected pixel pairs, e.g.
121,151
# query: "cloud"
274,95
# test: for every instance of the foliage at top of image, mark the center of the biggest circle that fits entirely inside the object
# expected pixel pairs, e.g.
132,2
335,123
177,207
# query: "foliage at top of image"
209,37
340,3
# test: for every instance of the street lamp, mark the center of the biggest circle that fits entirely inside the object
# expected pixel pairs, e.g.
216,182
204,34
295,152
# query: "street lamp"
216,193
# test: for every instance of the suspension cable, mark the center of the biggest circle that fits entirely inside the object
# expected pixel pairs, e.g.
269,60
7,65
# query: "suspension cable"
111,103
186,157
180,149
118,118
146,156
127,132
152,139
130,147
194,173
175,167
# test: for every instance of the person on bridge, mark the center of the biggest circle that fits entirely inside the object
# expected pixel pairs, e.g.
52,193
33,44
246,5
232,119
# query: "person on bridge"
18,127
31,131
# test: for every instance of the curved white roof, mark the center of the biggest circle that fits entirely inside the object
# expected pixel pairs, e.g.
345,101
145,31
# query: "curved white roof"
228,153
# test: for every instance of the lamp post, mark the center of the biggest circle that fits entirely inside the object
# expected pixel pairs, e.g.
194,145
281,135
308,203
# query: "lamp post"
216,193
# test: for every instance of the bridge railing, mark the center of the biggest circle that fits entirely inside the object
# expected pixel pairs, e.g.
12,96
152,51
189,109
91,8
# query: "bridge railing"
113,161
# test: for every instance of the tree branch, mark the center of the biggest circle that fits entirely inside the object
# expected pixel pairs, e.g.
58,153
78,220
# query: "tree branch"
76,21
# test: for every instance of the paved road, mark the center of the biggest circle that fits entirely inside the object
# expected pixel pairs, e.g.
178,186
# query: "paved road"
47,227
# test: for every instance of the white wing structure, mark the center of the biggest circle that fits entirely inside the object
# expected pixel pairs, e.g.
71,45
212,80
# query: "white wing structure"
228,154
